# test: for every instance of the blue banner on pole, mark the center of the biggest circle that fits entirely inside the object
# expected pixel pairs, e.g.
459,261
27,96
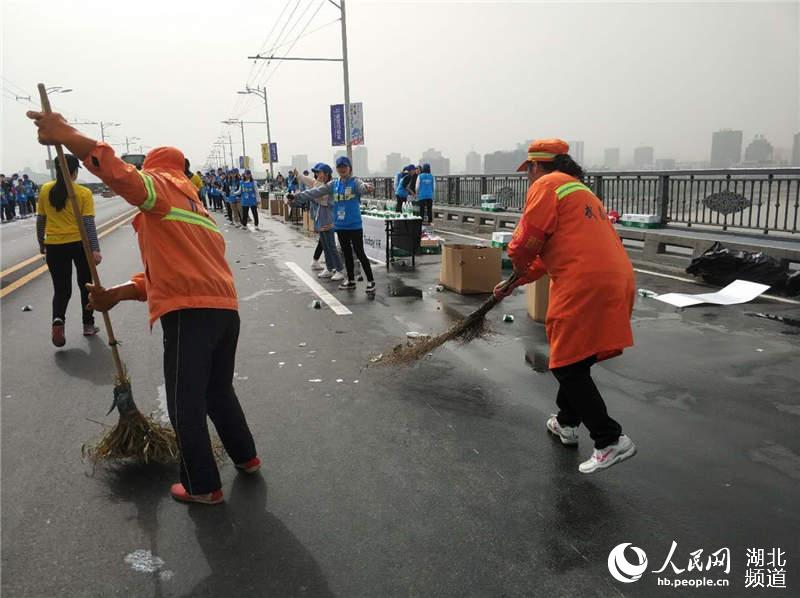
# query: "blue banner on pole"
337,124
273,151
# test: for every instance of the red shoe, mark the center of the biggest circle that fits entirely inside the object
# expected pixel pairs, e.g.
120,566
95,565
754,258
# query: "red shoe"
180,494
252,466
59,340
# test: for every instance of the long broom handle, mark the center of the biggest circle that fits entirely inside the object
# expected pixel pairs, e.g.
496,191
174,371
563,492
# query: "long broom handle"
87,248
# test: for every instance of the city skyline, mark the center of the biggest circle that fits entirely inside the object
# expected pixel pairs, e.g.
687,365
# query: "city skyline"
753,86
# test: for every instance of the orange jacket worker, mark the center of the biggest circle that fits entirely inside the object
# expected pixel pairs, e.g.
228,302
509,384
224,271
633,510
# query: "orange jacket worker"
565,232
189,287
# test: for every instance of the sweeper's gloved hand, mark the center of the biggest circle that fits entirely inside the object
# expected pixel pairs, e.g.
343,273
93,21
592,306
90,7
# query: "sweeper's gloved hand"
53,128
101,299
505,288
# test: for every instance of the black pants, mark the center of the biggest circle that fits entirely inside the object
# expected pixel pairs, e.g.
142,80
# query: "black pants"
59,260
350,241
399,205
11,209
318,251
229,211
426,207
579,402
245,210
199,357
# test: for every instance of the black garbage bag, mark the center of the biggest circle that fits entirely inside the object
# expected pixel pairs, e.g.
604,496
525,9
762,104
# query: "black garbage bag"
720,265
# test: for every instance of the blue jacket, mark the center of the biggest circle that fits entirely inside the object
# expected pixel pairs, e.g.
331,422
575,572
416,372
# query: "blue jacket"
425,186
249,194
346,196
399,189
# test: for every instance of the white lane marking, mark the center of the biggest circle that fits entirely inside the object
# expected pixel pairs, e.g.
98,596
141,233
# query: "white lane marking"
333,302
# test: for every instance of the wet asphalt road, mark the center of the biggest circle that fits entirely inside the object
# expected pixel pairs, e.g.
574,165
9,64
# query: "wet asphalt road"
438,480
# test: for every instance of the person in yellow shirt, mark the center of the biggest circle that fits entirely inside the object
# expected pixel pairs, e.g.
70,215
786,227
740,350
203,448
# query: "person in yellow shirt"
60,242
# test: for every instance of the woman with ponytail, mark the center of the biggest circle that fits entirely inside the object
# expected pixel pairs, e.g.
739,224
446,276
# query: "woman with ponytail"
60,242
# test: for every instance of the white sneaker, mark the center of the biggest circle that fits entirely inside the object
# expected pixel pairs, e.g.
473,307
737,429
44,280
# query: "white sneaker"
337,276
325,274
611,455
315,265
567,434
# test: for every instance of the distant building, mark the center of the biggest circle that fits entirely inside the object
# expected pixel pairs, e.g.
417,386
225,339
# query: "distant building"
395,163
665,164
726,148
796,150
611,158
474,163
300,162
643,157
361,160
576,151
758,151
504,162
439,164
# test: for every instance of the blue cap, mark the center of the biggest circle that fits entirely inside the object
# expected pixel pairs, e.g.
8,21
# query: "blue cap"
343,161
411,167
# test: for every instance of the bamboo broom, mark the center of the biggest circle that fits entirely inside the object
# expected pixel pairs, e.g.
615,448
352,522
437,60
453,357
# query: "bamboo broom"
135,436
468,329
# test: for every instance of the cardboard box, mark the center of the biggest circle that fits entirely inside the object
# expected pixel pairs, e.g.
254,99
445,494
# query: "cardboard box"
308,222
275,207
263,200
537,295
470,269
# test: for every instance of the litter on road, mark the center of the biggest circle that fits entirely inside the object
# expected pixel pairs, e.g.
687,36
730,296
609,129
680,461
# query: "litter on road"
739,291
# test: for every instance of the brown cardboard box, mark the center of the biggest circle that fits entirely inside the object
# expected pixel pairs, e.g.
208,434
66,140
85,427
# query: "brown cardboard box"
264,200
537,295
470,269
308,224
275,207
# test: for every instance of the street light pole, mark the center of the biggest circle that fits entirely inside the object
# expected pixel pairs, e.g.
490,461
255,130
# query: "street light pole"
262,93
346,72
244,151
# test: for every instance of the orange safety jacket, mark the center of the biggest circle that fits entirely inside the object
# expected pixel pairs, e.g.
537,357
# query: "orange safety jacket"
182,249
565,232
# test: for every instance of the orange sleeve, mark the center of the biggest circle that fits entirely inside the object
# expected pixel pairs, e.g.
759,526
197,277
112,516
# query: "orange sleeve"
141,288
534,272
538,222
120,176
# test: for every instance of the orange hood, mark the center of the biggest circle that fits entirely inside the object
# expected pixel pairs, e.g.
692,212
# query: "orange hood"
168,162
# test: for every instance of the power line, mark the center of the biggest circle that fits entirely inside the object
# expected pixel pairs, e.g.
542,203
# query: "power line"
321,4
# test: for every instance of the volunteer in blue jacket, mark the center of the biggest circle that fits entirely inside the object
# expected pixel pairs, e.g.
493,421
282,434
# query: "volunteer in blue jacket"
346,192
426,186
400,191
249,195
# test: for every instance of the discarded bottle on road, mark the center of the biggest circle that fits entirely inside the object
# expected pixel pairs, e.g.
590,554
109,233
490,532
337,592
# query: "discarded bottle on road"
647,293
508,318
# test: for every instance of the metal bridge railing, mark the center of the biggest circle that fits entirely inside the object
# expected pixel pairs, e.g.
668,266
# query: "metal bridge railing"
755,199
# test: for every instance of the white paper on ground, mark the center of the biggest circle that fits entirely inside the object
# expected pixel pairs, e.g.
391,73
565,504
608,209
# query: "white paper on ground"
739,291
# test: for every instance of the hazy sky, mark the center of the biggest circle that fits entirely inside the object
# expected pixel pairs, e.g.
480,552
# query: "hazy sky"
451,75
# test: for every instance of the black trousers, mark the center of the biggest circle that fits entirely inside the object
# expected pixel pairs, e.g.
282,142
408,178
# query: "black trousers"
199,357
11,209
353,241
245,210
579,402
229,211
399,205
426,207
59,261
318,251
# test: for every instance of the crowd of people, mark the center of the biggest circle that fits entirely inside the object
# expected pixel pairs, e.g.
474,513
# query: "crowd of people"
17,193
417,185
227,191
